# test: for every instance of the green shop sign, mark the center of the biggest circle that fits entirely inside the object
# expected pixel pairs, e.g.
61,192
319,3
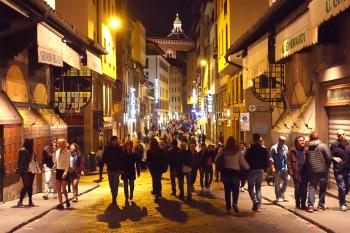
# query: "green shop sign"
293,42
334,4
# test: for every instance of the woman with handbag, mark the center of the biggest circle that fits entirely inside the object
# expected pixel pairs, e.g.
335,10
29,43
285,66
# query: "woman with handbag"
27,167
229,161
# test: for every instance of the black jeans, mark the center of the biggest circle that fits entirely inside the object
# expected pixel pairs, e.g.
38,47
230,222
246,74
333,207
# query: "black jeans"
194,175
174,173
100,171
231,186
28,180
300,190
206,176
128,182
157,183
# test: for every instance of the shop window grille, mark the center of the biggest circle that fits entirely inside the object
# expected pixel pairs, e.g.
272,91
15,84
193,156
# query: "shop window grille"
270,86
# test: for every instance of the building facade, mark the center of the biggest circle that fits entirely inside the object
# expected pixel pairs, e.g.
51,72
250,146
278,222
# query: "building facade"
91,124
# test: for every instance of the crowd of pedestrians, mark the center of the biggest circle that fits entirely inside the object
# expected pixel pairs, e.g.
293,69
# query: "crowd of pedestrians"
307,163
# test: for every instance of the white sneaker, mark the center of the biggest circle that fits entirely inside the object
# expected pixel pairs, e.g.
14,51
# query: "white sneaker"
343,208
279,199
242,189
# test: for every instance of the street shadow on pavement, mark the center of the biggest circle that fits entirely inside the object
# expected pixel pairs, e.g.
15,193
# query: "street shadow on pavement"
114,215
171,210
208,195
206,207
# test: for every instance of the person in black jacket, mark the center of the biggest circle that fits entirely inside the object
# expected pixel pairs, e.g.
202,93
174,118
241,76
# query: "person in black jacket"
157,166
340,150
186,161
196,163
318,160
27,168
257,157
47,161
113,157
174,164
130,166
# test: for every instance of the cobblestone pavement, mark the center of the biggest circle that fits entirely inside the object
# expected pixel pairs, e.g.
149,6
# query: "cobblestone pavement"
95,213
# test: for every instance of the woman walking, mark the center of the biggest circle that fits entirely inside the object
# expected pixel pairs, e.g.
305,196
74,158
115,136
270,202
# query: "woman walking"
76,169
157,165
229,160
243,149
130,166
62,167
27,168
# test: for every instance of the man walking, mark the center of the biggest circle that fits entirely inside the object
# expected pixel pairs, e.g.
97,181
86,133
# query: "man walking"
318,158
113,157
257,157
298,171
175,165
278,159
341,164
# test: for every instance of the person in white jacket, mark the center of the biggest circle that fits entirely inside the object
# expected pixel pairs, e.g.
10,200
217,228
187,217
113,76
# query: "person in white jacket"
62,165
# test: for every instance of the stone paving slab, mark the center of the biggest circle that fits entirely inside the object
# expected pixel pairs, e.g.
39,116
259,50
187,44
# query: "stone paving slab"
13,217
331,220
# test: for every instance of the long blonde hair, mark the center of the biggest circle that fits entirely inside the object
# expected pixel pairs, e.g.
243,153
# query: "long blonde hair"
62,144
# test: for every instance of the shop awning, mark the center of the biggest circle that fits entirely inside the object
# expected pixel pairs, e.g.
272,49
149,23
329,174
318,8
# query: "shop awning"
94,62
34,126
71,57
8,113
256,62
323,10
49,46
297,36
57,125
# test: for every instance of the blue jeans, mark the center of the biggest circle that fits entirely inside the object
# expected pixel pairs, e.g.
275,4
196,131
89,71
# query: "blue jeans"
343,182
113,179
315,179
255,178
278,177
300,190
231,186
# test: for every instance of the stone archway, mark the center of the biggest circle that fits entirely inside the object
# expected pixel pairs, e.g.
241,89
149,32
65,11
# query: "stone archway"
15,84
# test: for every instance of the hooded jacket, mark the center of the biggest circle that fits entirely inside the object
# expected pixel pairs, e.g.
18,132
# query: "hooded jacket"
318,157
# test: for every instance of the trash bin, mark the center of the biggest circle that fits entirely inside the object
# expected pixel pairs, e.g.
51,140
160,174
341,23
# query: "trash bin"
92,161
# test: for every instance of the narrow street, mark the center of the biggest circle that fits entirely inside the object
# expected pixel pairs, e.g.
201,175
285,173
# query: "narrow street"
95,213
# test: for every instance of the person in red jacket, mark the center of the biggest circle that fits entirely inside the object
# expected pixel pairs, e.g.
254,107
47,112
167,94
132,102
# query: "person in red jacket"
298,171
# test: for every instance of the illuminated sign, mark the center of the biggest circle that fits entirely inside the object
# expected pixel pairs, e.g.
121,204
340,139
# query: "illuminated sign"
194,97
156,90
210,102
132,105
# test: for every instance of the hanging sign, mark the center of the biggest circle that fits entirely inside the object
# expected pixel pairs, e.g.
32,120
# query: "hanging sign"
244,124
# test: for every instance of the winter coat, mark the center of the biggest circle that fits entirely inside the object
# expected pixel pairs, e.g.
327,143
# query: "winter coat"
185,158
231,162
341,151
131,165
207,158
318,157
257,157
294,165
196,159
157,161
174,161
77,164
113,157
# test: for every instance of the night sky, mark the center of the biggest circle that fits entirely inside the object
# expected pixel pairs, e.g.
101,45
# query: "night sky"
158,15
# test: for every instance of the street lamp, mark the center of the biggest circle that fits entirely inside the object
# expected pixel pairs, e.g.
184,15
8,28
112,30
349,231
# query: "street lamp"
115,23
203,62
